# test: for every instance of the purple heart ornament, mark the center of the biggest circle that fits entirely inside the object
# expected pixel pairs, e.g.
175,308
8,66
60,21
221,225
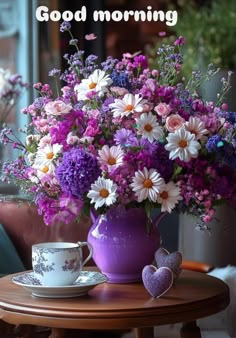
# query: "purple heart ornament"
170,260
157,281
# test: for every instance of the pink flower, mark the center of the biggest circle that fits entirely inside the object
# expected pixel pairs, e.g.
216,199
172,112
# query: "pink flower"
65,90
41,125
119,90
224,106
162,109
130,56
180,41
208,204
95,113
72,139
90,36
174,122
57,107
208,217
44,141
147,107
92,128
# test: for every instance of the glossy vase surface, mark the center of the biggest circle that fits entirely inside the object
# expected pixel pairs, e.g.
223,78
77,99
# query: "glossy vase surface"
122,245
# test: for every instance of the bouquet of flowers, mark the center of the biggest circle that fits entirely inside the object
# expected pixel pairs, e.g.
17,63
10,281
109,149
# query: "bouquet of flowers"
118,133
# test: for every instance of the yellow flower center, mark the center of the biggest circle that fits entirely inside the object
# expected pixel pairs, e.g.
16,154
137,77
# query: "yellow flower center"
45,169
148,127
50,155
147,183
111,161
92,85
104,193
129,107
183,143
164,195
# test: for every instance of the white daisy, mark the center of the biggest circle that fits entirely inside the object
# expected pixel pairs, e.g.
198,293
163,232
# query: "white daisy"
103,192
169,196
148,127
97,82
147,184
196,127
182,144
129,104
45,158
112,157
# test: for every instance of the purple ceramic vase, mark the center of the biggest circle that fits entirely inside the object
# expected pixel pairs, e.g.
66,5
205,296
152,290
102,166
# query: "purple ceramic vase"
122,245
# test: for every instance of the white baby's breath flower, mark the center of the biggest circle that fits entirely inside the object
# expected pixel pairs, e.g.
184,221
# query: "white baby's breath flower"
129,104
33,176
147,184
97,82
183,145
148,127
112,157
196,127
103,192
86,139
30,158
32,139
45,158
72,139
169,196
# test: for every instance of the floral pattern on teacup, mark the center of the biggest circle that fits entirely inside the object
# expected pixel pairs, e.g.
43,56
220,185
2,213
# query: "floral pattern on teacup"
72,265
40,264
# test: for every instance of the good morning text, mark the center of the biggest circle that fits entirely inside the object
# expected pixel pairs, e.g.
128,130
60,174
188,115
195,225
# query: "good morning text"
170,17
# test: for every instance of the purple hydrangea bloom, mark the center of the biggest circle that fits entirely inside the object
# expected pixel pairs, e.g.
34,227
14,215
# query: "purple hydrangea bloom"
77,171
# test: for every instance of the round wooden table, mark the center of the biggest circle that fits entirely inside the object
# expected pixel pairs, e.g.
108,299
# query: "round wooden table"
118,306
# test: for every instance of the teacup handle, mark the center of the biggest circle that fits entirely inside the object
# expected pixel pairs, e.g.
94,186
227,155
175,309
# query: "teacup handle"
81,244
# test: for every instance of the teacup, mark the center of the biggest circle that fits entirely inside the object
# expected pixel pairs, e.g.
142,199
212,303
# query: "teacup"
59,263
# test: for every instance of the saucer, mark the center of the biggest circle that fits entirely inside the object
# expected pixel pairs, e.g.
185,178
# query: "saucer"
86,281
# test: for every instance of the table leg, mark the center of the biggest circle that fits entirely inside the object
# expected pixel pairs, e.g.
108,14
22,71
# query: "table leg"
5,327
25,331
57,333
144,332
190,330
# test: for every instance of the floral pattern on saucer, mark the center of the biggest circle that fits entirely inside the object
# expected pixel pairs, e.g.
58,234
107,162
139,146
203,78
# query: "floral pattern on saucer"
86,281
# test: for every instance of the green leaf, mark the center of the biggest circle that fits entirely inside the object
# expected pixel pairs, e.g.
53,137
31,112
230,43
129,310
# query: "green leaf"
177,171
148,209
